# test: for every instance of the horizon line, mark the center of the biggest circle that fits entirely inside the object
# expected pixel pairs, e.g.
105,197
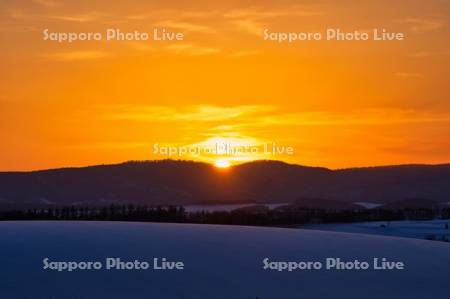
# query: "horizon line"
231,166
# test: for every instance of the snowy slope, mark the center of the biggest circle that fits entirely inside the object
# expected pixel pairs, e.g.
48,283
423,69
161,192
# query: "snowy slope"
407,229
221,262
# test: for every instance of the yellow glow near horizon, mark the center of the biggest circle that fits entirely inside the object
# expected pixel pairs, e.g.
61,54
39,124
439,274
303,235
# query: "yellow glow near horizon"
222,163
232,149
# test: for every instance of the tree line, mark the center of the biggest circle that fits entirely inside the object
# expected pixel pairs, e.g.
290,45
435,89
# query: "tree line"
178,214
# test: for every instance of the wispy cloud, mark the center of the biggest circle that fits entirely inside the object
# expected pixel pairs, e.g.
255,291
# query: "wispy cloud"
420,25
185,26
16,13
245,53
20,14
406,75
356,118
249,25
47,3
81,18
253,19
190,113
423,54
192,49
260,13
76,55
141,46
109,145
234,117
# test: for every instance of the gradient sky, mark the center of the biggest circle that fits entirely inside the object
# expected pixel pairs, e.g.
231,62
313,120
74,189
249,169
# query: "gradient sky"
338,104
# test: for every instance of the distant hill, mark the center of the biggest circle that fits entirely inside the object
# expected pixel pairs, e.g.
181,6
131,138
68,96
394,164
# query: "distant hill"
319,203
186,182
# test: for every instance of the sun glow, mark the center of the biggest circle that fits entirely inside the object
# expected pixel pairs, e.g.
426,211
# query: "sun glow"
222,163
224,151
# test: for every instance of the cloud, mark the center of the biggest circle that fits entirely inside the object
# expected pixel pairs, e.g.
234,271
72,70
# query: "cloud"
47,3
137,17
141,46
356,118
260,13
80,18
235,117
198,13
20,14
192,49
245,53
405,75
197,113
251,19
15,13
249,26
185,26
125,145
76,55
420,25
423,54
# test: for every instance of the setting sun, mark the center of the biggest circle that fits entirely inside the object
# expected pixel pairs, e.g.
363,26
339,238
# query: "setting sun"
222,163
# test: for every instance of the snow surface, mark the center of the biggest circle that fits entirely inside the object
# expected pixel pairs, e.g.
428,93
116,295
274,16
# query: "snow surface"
407,229
368,205
221,262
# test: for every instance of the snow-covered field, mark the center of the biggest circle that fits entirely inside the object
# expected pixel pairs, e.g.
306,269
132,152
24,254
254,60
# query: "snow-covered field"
368,205
408,229
220,262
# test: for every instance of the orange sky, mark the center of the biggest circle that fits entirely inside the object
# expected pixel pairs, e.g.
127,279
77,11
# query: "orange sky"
337,104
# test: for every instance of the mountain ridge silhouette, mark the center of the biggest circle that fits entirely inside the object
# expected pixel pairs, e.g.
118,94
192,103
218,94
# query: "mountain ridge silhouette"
180,182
